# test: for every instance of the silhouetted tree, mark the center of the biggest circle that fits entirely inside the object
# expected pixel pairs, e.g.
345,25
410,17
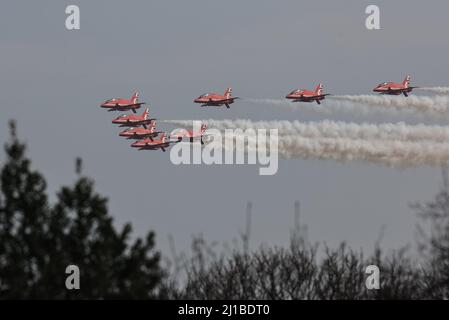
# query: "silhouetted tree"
300,271
296,272
434,241
24,216
38,241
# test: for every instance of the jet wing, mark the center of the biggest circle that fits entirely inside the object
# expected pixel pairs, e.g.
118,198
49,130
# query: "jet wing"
232,99
322,95
136,104
224,100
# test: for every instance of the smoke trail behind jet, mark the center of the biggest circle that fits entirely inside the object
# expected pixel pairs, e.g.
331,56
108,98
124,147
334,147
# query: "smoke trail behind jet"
431,105
390,153
439,90
336,129
365,104
396,145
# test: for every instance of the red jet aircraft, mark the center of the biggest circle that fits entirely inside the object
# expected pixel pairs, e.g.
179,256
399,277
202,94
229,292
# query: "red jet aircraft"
141,133
215,99
119,104
133,120
395,88
150,144
191,134
303,95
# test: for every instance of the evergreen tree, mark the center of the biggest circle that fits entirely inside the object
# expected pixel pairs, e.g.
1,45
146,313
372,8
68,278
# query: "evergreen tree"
38,241
24,215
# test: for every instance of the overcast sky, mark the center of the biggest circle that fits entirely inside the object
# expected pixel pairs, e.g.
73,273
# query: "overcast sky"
53,80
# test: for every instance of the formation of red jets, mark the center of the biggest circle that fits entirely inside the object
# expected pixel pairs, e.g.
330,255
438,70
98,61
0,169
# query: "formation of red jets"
390,88
304,95
142,128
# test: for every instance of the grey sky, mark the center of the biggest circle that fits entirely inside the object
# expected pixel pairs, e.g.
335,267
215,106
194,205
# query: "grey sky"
52,81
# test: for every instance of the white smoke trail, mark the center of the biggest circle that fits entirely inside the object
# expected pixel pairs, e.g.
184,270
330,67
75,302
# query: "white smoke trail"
389,153
396,145
431,105
439,90
336,129
365,104
277,102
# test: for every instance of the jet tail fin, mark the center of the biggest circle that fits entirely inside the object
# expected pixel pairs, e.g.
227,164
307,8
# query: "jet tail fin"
228,93
319,89
406,81
146,114
135,98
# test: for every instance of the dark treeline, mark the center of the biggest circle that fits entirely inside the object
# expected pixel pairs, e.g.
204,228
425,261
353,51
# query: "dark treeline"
38,240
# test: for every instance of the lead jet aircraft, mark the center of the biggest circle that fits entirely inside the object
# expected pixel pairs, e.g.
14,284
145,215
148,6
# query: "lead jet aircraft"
141,133
215,99
151,144
303,95
392,88
119,104
134,120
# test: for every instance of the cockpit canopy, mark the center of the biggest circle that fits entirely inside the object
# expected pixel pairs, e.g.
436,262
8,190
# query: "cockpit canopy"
383,84
296,91
204,95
